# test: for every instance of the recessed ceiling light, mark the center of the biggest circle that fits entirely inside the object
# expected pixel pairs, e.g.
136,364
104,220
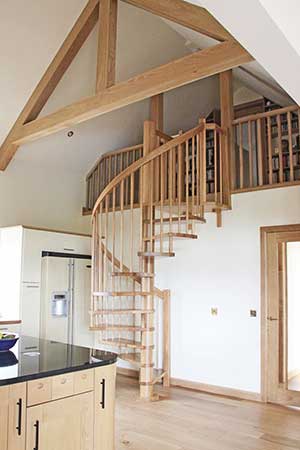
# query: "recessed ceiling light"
70,133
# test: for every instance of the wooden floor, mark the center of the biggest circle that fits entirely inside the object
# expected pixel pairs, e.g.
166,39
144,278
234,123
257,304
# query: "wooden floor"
190,420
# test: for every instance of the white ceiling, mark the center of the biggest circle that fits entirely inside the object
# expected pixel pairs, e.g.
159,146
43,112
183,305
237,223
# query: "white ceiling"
268,30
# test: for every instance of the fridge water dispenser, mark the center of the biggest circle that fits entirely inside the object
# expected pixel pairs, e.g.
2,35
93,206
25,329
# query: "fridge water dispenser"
60,304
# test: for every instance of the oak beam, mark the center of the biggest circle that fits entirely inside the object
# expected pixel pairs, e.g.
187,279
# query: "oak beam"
185,14
106,62
169,76
157,111
59,65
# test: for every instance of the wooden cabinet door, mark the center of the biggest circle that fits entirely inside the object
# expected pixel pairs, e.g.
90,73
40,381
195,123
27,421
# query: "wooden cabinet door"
17,416
4,391
105,381
65,424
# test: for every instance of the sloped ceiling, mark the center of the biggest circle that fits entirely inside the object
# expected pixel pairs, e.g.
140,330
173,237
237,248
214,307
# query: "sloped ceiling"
254,76
268,30
144,41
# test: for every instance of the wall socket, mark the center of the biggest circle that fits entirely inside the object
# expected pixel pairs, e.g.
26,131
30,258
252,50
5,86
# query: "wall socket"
253,313
214,311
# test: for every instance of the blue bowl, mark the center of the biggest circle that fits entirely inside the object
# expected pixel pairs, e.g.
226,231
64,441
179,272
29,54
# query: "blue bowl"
7,344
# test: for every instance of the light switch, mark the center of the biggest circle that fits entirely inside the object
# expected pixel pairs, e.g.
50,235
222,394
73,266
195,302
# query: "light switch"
253,313
214,311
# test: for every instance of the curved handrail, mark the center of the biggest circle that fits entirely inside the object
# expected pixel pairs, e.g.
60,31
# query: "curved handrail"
111,153
145,160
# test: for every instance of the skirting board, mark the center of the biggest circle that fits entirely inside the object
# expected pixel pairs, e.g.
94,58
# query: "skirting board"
218,390
209,388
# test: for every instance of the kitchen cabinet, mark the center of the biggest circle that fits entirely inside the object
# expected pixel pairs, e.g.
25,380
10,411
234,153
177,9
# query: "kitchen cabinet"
3,417
13,417
17,416
105,378
62,424
70,411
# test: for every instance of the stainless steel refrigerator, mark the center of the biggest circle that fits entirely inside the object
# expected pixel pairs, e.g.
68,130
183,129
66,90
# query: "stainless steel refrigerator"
65,298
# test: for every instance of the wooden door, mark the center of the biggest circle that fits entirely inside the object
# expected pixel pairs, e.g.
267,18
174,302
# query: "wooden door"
17,416
65,424
105,380
276,378
4,390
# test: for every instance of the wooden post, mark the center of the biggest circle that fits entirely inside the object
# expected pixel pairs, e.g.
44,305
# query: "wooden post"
106,63
227,149
166,338
147,264
157,116
157,111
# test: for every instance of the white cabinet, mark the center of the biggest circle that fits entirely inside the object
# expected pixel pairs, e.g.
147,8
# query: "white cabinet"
20,270
30,308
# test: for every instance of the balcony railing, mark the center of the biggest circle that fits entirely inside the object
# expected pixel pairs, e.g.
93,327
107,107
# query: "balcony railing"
266,150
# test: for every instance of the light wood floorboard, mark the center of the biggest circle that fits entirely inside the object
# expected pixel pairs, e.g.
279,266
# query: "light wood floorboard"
190,420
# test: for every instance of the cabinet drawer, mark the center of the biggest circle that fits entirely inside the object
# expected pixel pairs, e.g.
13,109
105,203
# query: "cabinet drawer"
62,385
38,391
83,381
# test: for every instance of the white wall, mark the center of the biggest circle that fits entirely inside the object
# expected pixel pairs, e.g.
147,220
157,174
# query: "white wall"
293,285
222,269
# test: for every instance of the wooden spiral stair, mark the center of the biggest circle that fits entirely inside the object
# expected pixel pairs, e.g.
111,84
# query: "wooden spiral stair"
161,197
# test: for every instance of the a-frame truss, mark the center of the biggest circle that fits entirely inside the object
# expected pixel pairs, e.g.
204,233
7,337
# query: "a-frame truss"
110,96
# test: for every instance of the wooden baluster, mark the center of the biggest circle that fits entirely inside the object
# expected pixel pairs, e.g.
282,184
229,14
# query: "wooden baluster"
250,145
198,172
259,153
216,174
221,166
203,174
152,218
131,220
162,198
127,201
95,268
113,232
241,156
187,197
87,200
105,242
179,185
280,155
98,182
290,140
170,181
122,226
270,150
193,176
100,252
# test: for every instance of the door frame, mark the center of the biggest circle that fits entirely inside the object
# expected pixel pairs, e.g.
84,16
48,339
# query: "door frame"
265,234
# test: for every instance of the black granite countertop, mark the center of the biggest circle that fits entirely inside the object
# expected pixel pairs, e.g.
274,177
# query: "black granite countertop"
33,358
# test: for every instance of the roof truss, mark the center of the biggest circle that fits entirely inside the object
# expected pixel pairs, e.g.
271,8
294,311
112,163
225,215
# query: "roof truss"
110,96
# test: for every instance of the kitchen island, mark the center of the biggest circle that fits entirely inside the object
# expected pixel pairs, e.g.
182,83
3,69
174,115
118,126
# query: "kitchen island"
56,396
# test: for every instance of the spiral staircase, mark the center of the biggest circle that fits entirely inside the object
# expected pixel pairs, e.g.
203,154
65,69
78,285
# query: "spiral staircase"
161,197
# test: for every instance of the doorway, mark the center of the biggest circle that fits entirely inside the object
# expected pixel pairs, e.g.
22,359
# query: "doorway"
280,251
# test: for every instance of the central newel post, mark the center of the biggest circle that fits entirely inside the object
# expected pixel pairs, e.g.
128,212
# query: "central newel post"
147,263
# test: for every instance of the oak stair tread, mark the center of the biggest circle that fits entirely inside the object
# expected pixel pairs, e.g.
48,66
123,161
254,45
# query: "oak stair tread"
127,343
172,235
123,294
111,326
153,254
182,218
122,311
132,274
134,358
